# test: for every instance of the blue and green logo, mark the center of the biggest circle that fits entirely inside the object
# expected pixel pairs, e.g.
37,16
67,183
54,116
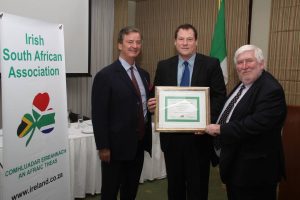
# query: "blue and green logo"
42,118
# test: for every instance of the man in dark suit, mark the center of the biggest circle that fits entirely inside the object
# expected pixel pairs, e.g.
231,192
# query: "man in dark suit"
121,122
188,155
251,157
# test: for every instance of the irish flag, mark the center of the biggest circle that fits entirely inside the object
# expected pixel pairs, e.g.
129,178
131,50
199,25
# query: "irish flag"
218,45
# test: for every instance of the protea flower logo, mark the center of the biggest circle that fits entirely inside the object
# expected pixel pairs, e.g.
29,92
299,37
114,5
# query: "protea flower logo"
42,118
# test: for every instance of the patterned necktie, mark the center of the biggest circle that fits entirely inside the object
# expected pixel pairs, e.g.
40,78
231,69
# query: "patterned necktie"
225,115
229,107
141,125
185,79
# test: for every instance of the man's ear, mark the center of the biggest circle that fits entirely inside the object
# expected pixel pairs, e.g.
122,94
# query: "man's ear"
119,46
262,64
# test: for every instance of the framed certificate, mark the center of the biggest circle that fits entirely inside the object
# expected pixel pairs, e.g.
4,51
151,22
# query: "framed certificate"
181,109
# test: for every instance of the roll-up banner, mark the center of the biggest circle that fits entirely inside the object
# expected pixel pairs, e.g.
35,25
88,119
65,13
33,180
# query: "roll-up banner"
34,110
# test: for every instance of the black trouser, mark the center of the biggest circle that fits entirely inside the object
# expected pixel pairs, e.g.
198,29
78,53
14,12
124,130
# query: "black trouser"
187,166
266,192
123,176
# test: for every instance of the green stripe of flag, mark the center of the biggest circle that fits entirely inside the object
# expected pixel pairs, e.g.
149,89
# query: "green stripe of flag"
218,45
46,119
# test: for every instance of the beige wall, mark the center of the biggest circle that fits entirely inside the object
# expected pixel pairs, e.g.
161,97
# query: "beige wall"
131,12
284,43
259,36
260,25
158,20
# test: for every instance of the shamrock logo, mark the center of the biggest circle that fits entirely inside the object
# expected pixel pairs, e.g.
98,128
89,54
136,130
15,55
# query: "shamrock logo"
41,118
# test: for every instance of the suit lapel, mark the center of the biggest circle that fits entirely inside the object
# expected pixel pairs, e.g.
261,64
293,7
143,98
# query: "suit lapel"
196,69
240,107
173,73
121,72
245,102
144,80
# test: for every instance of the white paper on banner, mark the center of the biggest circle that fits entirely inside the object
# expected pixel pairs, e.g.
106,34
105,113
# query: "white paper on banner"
34,110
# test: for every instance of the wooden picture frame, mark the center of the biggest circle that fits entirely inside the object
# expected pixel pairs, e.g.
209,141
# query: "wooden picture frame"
181,109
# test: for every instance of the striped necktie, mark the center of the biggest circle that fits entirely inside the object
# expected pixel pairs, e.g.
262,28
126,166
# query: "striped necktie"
226,113
230,106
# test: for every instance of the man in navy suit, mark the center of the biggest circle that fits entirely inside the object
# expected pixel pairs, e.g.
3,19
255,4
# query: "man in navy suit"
251,157
121,122
188,155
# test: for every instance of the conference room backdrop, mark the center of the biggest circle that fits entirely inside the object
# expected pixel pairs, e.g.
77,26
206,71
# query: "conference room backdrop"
158,19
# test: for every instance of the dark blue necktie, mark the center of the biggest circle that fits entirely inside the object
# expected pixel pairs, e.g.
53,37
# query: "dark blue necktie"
185,79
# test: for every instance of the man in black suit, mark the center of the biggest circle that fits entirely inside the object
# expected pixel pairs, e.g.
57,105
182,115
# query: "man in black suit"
251,157
121,122
188,155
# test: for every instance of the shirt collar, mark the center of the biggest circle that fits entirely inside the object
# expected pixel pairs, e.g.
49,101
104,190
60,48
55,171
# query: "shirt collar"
191,60
246,85
126,65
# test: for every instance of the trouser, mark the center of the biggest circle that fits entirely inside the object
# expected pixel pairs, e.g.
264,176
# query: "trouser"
123,176
266,192
187,166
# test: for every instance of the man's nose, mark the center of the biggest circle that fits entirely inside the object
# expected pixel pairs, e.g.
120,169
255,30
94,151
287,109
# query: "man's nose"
185,41
243,64
134,44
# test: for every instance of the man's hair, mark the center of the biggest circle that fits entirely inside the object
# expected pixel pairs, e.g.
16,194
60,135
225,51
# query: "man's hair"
126,30
186,27
249,47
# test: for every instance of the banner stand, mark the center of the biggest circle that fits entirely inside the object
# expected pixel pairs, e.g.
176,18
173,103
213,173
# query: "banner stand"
34,110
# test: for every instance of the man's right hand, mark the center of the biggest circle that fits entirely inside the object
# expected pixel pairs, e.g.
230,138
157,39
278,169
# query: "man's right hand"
104,155
151,105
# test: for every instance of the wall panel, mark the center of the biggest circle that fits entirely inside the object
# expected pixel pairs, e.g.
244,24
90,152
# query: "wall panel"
158,20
